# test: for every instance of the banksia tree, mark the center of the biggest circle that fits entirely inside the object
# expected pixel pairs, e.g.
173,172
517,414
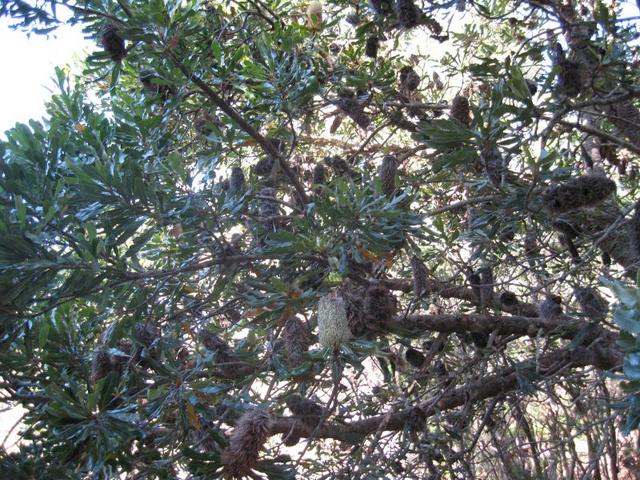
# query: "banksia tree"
221,209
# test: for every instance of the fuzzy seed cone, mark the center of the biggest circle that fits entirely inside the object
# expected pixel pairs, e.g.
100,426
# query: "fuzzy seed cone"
381,7
409,79
100,366
475,282
420,274
530,244
268,208
415,357
215,344
372,46
147,78
634,230
297,340
146,334
247,439
379,305
592,304
486,288
578,192
491,159
550,308
508,300
333,327
113,43
236,180
407,13
570,83
264,166
460,110
388,170
319,177
351,107
308,411
338,164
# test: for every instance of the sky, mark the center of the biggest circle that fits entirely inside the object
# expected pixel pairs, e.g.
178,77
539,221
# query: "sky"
28,67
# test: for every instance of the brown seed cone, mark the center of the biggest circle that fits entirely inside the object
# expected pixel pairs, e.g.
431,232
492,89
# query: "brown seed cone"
491,159
592,304
113,43
509,302
475,282
486,288
145,333
100,366
409,79
578,192
236,180
372,46
264,166
550,308
247,439
407,13
268,208
297,340
308,411
460,110
319,177
379,305
354,110
420,274
415,357
387,172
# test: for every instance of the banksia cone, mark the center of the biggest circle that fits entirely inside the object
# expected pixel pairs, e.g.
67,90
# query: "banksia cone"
145,333
379,305
415,357
264,166
147,78
113,43
420,274
372,46
407,13
592,304
387,172
634,230
100,366
460,110
297,340
307,411
409,79
491,159
350,105
509,302
236,180
338,163
333,327
247,439
570,83
319,178
475,282
268,208
486,288
551,307
578,192
381,7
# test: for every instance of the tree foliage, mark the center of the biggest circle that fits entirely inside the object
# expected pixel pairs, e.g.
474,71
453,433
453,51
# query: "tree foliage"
263,238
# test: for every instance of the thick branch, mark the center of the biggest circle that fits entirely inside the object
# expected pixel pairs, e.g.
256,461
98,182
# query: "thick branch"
490,386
